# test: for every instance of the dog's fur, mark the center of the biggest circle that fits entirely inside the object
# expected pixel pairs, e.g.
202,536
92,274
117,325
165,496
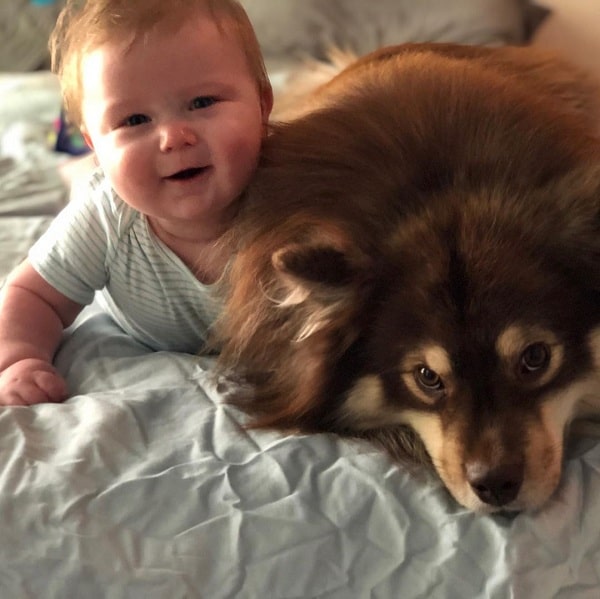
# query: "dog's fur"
417,263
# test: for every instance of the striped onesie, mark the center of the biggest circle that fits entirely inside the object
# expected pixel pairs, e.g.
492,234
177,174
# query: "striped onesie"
100,244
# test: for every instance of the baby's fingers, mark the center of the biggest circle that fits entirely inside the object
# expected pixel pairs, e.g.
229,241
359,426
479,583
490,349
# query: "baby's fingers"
24,394
51,385
31,381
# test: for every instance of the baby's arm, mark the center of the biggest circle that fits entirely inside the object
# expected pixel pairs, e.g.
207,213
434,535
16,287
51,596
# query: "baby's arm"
32,317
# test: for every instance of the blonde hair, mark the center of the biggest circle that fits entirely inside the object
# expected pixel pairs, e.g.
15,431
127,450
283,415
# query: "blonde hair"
84,25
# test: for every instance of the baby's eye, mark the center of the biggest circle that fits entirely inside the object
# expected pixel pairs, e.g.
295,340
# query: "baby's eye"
135,119
203,102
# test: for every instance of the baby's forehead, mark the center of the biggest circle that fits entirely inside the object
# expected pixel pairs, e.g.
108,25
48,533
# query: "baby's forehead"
163,67
134,27
203,25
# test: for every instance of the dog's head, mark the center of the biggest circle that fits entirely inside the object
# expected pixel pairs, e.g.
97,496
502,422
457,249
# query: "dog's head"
480,334
442,302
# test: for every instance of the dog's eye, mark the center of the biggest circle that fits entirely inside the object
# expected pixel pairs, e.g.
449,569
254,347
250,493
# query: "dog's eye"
535,358
429,380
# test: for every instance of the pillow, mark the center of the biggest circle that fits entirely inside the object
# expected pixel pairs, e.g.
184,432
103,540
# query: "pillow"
24,29
297,29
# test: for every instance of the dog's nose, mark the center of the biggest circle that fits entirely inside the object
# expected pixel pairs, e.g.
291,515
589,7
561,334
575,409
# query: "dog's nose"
496,486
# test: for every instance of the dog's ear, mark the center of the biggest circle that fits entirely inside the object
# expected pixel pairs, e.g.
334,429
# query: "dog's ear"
323,281
315,265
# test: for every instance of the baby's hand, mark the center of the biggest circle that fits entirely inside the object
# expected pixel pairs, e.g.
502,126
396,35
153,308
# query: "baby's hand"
31,381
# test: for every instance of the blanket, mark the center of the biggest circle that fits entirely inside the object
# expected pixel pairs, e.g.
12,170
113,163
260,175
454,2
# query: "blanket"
145,483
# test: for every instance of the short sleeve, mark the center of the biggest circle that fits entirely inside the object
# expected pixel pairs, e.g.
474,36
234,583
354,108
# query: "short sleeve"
73,254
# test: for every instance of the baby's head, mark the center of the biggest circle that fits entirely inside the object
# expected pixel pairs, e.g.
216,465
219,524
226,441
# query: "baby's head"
84,25
173,98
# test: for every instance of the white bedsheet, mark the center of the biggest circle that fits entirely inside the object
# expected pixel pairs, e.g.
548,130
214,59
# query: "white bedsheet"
143,484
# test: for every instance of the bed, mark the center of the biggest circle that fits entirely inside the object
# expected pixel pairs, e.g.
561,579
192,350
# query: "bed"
144,483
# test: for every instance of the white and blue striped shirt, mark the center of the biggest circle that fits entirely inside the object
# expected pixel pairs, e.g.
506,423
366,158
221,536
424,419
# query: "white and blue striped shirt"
99,243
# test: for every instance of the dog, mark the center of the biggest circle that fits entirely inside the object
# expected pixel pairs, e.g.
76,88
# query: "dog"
417,263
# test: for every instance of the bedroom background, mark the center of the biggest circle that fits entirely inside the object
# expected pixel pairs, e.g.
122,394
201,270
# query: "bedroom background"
143,484
35,180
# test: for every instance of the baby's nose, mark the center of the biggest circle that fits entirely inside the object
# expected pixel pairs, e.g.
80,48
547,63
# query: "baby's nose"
176,135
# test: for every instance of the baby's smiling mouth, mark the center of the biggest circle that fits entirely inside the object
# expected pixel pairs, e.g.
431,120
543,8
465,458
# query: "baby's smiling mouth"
185,174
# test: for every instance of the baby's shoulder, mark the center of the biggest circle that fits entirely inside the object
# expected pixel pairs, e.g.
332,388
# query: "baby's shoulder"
109,206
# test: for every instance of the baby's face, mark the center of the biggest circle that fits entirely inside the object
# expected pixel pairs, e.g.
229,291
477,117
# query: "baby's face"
176,121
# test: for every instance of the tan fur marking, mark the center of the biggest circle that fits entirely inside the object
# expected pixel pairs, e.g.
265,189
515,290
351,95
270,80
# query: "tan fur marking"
433,357
296,296
365,402
544,454
429,427
437,359
588,402
512,342
366,406
590,405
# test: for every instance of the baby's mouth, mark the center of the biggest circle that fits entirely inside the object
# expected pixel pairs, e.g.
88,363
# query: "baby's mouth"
185,174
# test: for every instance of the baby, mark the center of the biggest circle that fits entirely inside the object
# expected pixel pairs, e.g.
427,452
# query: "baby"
174,100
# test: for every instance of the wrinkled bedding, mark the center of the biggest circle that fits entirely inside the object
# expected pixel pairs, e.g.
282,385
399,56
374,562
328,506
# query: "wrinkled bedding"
144,484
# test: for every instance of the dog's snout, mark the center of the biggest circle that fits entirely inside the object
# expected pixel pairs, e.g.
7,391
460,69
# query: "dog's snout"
496,486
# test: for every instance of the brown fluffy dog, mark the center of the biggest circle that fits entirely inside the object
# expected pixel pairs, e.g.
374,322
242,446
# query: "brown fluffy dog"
418,264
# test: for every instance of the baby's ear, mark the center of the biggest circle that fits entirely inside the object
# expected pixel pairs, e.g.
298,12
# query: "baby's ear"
87,138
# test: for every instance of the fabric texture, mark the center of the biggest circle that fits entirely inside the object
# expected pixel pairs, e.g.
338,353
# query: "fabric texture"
99,243
297,29
145,485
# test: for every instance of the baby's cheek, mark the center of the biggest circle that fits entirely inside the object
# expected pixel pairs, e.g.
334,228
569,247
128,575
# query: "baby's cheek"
131,173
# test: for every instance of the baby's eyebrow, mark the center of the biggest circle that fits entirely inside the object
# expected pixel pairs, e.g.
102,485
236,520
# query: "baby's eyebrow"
208,87
119,110
121,106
